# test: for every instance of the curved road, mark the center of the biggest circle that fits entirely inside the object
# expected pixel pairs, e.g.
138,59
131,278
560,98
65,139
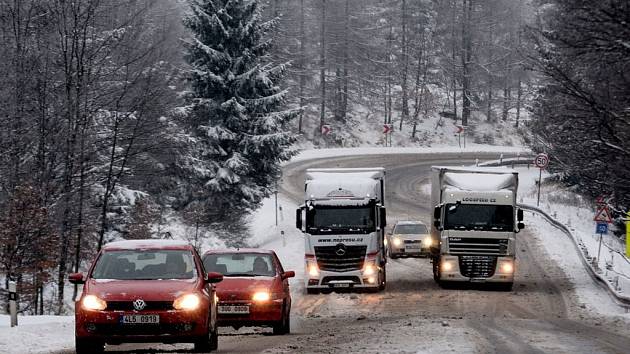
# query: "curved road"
414,315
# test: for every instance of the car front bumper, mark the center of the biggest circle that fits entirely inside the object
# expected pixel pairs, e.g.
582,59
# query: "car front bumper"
174,326
260,314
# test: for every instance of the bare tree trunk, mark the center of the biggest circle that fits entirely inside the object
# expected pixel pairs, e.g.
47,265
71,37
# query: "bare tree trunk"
466,57
405,57
302,66
519,94
346,60
322,67
454,56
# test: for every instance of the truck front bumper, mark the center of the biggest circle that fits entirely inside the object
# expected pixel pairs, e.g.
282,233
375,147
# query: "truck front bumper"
342,280
472,268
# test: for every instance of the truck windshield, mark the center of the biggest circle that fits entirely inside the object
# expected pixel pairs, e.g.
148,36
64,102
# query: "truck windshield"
352,219
479,217
410,229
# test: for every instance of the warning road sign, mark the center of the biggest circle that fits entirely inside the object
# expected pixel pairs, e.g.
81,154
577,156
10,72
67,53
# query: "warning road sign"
326,129
603,215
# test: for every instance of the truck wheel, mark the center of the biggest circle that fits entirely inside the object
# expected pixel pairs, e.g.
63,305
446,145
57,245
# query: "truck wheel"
436,269
506,286
383,279
86,346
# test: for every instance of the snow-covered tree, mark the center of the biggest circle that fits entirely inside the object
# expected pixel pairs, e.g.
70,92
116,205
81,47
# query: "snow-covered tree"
235,112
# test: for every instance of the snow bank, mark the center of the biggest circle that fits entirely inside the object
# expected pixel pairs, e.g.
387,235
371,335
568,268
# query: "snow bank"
37,334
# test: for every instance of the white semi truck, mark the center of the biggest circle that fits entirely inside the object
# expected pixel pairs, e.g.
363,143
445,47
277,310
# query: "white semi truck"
343,219
475,221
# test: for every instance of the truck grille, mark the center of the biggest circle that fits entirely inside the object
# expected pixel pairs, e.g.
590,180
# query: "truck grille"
477,266
480,246
340,258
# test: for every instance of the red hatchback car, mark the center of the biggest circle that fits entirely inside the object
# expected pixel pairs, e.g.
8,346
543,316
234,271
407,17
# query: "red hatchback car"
146,291
254,290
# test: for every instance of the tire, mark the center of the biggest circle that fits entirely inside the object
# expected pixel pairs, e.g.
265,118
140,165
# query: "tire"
86,346
383,279
312,291
283,326
505,286
436,269
209,343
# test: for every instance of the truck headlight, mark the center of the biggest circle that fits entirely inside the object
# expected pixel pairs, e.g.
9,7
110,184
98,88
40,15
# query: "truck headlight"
447,266
93,303
397,241
506,267
313,270
369,269
187,302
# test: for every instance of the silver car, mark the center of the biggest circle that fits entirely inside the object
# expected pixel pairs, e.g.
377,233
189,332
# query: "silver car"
409,239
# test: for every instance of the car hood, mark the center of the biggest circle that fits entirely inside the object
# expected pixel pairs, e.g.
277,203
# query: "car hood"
148,290
243,288
411,236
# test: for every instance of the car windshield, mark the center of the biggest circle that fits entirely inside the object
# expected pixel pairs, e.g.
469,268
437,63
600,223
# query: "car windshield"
479,217
240,264
410,229
345,218
145,265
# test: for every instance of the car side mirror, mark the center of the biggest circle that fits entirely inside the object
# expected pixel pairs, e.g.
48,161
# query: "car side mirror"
289,274
214,277
76,278
519,215
298,218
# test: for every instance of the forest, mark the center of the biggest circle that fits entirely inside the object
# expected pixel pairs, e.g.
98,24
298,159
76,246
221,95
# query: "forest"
120,118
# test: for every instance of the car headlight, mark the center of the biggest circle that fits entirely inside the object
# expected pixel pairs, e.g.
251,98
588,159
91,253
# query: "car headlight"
261,296
93,303
427,242
188,302
397,241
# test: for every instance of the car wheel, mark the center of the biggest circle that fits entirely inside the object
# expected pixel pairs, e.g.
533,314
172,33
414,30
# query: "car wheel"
208,343
86,346
284,325
312,291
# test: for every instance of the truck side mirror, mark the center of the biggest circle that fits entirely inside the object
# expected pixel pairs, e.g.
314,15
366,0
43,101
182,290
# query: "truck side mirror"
520,226
437,223
298,218
437,213
519,215
383,215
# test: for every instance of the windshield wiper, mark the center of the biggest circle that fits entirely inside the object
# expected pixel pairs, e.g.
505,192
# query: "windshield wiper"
238,275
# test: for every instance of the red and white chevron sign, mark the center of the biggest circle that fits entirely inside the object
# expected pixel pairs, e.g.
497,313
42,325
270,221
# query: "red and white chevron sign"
326,129
388,128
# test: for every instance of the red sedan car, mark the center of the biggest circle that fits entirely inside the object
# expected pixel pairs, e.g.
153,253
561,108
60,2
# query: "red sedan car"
254,290
146,291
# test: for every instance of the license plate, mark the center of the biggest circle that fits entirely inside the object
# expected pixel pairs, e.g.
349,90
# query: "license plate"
140,319
239,309
412,247
341,285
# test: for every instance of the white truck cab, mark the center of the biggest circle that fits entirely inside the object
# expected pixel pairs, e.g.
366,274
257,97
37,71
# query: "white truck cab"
343,219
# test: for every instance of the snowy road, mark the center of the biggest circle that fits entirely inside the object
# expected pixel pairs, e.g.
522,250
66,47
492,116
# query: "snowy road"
542,314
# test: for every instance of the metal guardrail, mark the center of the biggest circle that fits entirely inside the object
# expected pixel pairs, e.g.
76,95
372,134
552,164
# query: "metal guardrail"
596,274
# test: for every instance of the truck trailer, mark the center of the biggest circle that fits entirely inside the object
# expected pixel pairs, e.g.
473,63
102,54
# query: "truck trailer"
343,219
475,222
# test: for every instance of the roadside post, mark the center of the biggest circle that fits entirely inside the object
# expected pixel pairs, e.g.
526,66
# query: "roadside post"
459,129
13,303
602,218
541,161
387,130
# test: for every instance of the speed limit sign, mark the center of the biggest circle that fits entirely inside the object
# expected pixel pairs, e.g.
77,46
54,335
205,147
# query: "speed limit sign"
542,160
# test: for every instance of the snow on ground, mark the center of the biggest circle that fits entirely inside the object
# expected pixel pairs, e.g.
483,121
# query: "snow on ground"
36,334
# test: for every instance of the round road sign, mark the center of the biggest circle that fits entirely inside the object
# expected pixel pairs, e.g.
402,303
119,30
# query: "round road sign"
541,160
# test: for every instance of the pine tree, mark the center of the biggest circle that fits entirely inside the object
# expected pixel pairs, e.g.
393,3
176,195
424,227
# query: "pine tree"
239,129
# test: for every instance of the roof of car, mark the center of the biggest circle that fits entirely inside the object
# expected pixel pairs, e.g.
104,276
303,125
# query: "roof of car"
409,222
239,250
148,244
